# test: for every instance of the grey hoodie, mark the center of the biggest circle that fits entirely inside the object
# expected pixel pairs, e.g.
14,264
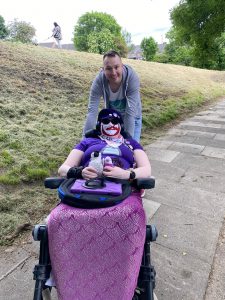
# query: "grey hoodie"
131,91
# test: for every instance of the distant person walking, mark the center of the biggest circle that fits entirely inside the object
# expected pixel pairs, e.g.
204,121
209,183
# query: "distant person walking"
57,35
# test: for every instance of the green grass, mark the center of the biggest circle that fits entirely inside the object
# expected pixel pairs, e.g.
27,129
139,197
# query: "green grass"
170,110
9,178
6,158
43,104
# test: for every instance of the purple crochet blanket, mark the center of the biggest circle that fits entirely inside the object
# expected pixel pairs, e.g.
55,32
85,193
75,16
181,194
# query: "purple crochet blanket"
96,253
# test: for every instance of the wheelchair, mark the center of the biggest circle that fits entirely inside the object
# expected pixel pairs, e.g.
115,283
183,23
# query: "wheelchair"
53,257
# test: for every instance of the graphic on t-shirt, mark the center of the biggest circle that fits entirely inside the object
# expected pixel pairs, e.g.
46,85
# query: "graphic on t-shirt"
119,105
111,150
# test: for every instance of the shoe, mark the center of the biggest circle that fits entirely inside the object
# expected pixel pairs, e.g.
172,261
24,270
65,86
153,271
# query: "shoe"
142,193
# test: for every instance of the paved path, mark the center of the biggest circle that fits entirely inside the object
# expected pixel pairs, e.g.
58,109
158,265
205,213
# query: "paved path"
189,166
187,205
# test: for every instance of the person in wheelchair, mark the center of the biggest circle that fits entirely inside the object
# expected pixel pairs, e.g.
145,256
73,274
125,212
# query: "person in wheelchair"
96,253
109,139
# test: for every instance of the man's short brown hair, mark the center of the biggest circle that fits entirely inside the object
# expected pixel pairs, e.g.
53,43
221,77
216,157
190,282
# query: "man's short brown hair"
111,53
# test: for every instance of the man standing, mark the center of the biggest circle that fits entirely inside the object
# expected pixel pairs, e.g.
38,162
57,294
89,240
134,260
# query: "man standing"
119,86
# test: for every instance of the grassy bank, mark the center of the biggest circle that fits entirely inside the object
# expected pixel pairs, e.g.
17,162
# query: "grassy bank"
43,103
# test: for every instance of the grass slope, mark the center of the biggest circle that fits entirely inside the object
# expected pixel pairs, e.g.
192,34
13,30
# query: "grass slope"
43,103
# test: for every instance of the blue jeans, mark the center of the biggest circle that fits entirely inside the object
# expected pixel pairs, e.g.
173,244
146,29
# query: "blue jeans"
137,129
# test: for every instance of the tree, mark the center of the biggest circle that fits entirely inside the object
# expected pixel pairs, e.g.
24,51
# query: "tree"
199,23
100,42
176,52
127,37
128,46
219,51
3,29
149,48
21,31
98,28
161,57
120,46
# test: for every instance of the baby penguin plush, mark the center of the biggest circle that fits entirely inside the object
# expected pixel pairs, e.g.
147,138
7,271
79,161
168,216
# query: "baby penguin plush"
96,162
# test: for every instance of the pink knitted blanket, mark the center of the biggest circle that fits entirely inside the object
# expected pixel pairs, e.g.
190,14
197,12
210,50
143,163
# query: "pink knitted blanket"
96,253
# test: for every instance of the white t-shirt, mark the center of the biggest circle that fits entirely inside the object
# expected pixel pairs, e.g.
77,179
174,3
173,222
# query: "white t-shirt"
117,100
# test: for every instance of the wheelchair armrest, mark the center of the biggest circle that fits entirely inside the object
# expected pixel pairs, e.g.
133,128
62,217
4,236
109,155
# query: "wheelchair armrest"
53,182
144,183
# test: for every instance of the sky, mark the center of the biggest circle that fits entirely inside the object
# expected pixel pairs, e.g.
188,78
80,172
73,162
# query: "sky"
142,18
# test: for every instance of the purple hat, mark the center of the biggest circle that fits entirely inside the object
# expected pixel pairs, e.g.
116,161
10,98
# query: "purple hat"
108,113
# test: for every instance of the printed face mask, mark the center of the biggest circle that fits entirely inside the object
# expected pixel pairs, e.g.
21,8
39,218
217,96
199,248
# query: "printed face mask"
110,129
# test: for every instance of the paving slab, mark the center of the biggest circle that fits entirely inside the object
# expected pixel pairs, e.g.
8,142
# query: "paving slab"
180,276
168,171
185,138
150,208
206,204
20,284
186,231
208,182
200,134
186,147
201,128
161,154
211,142
161,144
202,124
199,162
219,106
214,111
180,132
17,256
216,118
16,266
220,137
208,123
214,152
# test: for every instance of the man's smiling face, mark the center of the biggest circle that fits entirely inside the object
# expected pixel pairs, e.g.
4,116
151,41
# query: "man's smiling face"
113,69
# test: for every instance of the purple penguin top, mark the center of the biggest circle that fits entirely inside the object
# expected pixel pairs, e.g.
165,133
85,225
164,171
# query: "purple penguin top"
121,155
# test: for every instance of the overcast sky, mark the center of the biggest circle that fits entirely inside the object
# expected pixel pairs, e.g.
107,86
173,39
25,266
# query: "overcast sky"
142,18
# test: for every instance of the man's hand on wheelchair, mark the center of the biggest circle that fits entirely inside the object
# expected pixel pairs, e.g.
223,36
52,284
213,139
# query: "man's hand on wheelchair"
116,172
89,173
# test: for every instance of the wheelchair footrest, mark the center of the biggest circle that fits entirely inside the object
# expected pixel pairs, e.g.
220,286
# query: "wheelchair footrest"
42,272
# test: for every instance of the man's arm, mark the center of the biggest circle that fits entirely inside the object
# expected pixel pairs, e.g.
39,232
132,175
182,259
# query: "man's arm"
94,99
133,103
129,124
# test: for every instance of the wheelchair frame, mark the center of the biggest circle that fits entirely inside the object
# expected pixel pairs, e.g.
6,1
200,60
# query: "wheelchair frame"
147,274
